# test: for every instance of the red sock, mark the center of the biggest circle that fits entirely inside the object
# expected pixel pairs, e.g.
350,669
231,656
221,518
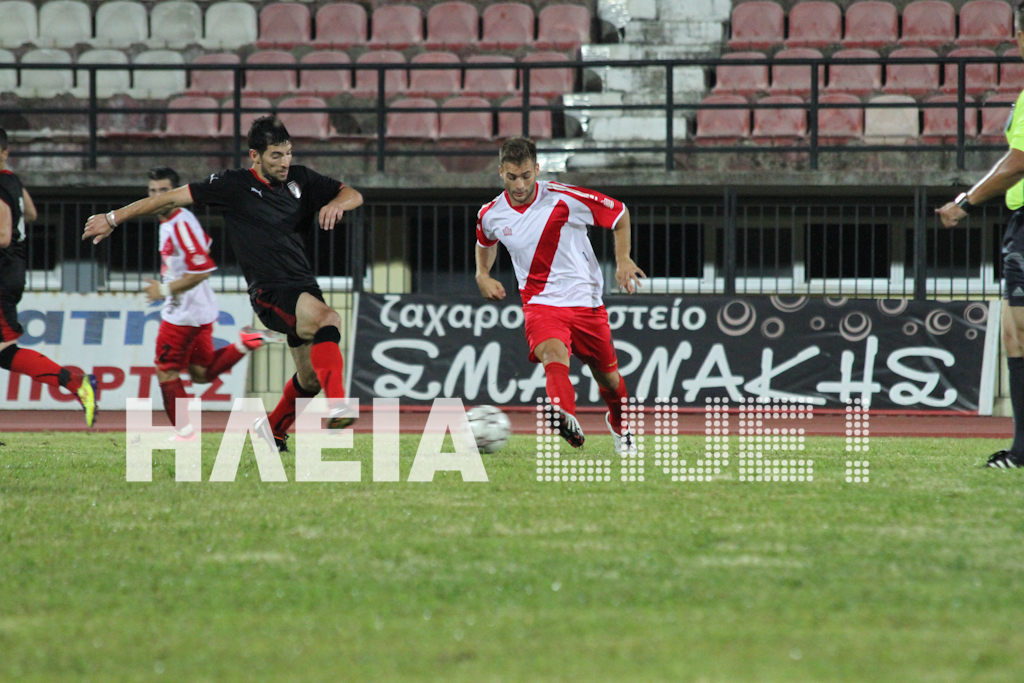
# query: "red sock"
559,387
325,357
613,399
283,416
172,390
42,369
223,360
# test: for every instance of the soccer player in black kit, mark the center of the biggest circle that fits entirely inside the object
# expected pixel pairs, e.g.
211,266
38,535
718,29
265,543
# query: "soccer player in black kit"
267,208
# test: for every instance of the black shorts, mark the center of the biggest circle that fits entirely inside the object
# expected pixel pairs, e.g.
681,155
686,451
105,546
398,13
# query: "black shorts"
1013,259
275,307
12,285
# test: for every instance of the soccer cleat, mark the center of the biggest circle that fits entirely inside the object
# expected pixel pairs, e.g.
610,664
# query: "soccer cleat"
625,444
261,428
340,417
87,397
1004,460
568,427
253,338
282,443
178,437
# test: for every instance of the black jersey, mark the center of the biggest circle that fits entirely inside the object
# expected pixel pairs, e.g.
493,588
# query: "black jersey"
265,223
11,193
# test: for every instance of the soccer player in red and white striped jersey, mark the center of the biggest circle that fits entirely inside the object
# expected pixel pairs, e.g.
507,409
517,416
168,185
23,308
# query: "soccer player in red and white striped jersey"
544,225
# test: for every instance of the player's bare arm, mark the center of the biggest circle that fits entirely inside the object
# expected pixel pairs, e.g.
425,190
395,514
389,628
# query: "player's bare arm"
1006,173
30,212
6,225
347,199
99,226
182,284
627,273
490,288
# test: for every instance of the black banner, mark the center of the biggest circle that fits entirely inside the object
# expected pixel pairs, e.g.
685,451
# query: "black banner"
889,354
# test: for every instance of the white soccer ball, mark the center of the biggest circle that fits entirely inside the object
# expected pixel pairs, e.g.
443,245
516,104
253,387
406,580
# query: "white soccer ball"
491,427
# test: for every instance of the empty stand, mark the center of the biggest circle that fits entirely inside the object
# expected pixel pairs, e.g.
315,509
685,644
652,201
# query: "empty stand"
722,126
779,124
214,82
928,23
548,81
1011,75
64,23
423,125
108,81
8,74
435,82
994,119
230,25
20,25
177,23
452,26
978,78
510,123
871,24
121,23
911,79
795,78
271,82
563,27
256,106
757,25
744,79
158,83
46,82
340,25
891,125
325,82
395,80
839,124
814,23
507,26
985,22
489,82
285,25
858,79
306,124
939,124
466,125
192,123
396,27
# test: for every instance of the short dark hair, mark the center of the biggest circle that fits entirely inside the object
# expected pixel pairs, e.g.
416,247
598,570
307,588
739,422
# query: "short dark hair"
266,131
3,139
518,150
165,173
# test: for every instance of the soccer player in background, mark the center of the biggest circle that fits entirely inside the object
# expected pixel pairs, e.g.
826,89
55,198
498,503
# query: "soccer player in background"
267,209
544,225
16,208
185,339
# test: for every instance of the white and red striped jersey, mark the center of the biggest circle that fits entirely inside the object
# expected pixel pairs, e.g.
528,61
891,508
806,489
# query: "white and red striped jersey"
185,248
554,261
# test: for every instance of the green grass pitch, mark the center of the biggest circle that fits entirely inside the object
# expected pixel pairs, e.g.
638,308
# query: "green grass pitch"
915,575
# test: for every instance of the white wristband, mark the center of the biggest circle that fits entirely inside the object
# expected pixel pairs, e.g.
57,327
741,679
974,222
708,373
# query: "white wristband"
165,289
110,219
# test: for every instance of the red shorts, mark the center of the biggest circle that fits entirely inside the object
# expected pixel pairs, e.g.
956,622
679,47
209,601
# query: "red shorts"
179,346
583,330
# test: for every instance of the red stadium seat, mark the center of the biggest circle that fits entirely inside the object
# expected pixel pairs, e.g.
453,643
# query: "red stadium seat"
510,123
779,125
994,119
214,83
489,82
507,26
395,80
836,125
1011,75
396,27
795,78
757,25
563,27
435,82
722,126
928,23
940,123
421,125
285,24
192,124
985,22
978,78
549,82
467,125
871,23
340,25
814,23
271,82
259,106
452,25
744,79
314,125
325,82
911,79
859,79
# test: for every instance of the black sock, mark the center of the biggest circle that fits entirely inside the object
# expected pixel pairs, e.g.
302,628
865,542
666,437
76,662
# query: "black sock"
1016,368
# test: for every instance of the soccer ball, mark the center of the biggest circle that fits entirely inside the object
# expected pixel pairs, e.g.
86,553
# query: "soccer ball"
491,427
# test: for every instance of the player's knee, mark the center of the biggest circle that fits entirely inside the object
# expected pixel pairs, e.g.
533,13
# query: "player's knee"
7,356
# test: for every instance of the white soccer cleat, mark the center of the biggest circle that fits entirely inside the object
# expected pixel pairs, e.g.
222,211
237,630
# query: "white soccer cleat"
625,444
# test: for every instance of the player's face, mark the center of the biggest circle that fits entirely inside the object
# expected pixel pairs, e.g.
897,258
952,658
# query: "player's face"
159,187
274,162
520,181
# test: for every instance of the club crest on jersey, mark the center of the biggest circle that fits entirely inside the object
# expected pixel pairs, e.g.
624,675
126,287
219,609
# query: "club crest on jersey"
293,187
506,231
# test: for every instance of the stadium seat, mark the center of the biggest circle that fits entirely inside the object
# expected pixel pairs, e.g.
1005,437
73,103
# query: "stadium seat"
891,125
272,82
466,125
215,83
46,82
64,23
858,79
510,123
795,78
928,23
872,23
939,124
435,82
420,125
314,125
814,23
774,125
121,23
192,124
177,23
158,83
108,81
836,125
20,25
489,82
548,82
452,26
995,118
396,27
285,25
230,25
340,25
757,25
395,80
911,79
563,27
8,72
507,26
1011,75
978,78
722,126
743,79
258,106
984,22
325,82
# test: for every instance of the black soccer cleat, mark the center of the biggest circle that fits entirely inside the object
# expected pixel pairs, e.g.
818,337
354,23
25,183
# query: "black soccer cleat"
1004,460
568,427
282,443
